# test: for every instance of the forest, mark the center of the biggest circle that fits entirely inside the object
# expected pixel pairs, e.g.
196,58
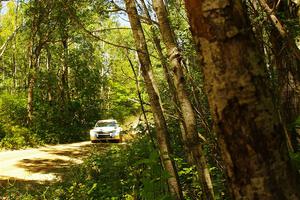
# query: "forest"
214,85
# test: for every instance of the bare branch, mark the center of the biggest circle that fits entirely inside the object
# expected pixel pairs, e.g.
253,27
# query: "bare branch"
90,33
110,29
3,47
280,27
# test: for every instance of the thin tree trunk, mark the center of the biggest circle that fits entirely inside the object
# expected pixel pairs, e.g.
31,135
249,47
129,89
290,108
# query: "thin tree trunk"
14,68
49,70
287,62
192,140
287,65
167,75
288,88
31,85
34,53
15,48
160,123
30,99
65,94
136,78
33,68
250,135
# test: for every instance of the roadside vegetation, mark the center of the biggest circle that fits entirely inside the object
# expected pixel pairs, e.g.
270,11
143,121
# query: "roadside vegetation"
217,94
128,171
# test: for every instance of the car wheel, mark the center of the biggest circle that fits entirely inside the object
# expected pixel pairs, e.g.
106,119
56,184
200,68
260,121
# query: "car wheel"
94,141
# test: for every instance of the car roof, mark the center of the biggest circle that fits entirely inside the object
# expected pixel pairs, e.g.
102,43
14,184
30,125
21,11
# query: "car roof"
107,120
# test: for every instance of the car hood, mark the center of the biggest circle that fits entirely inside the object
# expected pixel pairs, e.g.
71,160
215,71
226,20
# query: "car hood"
104,129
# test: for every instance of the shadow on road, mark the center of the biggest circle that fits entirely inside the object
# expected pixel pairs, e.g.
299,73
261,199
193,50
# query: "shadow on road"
56,161
46,166
73,153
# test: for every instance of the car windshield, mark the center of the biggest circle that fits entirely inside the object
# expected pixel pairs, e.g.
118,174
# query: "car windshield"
106,124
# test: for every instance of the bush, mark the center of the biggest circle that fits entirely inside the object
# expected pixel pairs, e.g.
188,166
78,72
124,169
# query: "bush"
129,172
122,172
50,124
16,137
12,109
13,133
115,171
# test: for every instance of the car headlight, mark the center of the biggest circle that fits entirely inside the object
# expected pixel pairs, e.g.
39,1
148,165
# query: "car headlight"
92,132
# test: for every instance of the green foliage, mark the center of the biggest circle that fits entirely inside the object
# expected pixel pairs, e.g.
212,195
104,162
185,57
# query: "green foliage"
295,156
122,101
13,113
188,174
17,137
95,87
130,171
117,171
189,180
12,109
296,123
133,170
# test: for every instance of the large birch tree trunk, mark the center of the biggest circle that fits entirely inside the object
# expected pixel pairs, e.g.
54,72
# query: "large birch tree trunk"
250,135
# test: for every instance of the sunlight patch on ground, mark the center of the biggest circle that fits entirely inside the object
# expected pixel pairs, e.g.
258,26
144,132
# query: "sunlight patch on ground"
43,164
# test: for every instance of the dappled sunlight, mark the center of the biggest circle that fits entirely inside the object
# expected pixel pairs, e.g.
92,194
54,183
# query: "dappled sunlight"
43,164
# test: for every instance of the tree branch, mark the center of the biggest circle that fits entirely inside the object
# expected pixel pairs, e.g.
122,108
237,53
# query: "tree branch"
280,27
110,29
90,33
3,47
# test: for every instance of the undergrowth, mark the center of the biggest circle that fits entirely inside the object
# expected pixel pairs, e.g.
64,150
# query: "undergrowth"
131,171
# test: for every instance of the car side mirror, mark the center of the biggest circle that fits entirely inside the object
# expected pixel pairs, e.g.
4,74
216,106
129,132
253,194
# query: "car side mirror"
119,129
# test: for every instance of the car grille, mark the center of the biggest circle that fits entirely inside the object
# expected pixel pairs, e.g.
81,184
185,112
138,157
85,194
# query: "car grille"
103,136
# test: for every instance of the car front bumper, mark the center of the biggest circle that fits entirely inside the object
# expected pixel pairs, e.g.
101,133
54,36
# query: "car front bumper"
104,137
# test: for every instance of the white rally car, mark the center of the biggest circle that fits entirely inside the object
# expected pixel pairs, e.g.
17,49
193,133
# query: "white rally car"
106,130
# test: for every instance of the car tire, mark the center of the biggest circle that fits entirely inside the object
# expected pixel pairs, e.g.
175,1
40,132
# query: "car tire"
94,141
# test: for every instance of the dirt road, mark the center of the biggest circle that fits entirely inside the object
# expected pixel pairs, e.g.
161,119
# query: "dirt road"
41,164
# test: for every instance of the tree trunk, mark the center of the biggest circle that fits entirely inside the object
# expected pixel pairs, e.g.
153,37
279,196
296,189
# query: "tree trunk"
286,58
141,101
35,48
191,139
49,70
31,85
15,63
160,123
287,62
65,95
288,85
167,75
250,135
